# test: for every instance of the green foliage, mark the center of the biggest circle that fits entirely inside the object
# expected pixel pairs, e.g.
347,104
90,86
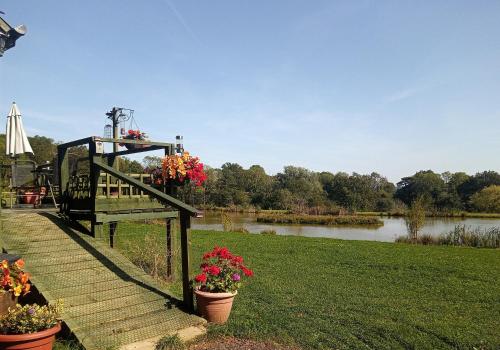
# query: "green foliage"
170,342
318,219
268,232
487,200
415,218
478,237
30,318
130,166
227,222
321,293
67,345
461,235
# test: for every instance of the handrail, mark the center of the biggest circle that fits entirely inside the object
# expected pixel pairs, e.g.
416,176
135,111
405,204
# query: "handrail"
147,189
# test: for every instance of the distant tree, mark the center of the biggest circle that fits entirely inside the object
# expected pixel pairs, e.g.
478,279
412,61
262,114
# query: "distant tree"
151,162
487,200
127,165
304,185
476,183
44,149
426,185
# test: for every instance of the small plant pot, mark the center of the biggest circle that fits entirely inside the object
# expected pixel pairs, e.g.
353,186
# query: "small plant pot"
7,300
43,340
214,307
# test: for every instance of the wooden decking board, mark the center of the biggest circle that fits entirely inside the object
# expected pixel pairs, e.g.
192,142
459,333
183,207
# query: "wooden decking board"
93,320
108,300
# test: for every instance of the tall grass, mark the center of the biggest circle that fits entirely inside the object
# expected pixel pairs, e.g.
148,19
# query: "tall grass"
461,235
319,219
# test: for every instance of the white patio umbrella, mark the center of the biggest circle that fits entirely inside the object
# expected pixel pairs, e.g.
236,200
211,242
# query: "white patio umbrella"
16,140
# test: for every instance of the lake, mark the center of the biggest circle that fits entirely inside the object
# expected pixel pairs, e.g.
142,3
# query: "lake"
393,227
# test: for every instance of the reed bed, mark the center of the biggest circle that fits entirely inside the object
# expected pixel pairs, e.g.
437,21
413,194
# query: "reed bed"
461,235
329,220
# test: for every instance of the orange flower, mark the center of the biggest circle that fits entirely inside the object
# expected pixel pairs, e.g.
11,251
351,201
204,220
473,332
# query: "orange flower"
24,277
5,264
20,263
27,288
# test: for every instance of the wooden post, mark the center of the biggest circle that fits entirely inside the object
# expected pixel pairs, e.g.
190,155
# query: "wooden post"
94,172
63,176
168,224
112,230
187,292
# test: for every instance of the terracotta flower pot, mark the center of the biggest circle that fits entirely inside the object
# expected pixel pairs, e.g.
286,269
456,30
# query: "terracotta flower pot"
214,307
43,340
7,300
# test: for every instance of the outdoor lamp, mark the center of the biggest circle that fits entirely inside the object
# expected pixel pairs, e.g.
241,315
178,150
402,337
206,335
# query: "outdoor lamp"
9,35
179,146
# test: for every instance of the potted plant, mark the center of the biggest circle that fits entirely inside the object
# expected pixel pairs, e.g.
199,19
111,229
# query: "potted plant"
135,135
30,327
14,282
217,284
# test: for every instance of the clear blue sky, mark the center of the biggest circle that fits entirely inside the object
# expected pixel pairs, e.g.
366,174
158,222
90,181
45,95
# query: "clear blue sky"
386,86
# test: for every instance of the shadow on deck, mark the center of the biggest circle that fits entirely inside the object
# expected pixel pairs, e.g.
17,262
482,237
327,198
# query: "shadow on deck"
108,300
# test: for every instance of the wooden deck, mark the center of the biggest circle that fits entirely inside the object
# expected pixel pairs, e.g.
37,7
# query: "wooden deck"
108,301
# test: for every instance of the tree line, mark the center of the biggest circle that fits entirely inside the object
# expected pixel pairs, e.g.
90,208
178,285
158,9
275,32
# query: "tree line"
302,190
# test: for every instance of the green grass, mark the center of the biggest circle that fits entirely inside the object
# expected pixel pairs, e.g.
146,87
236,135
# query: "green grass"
171,342
318,219
324,293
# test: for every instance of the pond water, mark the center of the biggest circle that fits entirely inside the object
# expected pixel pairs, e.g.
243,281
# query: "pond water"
393,227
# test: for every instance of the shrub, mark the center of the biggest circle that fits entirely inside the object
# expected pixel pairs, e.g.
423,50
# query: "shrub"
415,218
227,223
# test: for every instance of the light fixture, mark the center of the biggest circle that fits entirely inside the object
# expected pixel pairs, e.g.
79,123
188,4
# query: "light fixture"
179,144
9,35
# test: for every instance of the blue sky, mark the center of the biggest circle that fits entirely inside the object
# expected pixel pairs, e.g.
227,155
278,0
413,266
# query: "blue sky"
355,86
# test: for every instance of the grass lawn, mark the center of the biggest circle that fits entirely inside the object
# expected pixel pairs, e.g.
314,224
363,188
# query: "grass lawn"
321,293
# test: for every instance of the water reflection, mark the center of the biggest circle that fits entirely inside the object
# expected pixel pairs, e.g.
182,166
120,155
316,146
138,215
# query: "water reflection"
393,227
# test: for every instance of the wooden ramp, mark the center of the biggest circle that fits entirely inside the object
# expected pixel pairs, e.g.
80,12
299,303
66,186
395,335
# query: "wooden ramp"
108,301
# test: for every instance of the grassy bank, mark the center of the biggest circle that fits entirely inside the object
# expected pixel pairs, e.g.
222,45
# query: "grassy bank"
318,219
434,214
241,210
324,293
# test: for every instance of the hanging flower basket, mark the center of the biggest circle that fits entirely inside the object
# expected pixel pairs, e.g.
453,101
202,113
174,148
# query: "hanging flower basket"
179,170
134,135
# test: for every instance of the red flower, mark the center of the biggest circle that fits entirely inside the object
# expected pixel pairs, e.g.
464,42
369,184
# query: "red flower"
201,278
237,259
247,272
214,270
225,254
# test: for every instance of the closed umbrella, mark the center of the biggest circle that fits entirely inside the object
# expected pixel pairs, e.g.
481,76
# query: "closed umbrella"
16,140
